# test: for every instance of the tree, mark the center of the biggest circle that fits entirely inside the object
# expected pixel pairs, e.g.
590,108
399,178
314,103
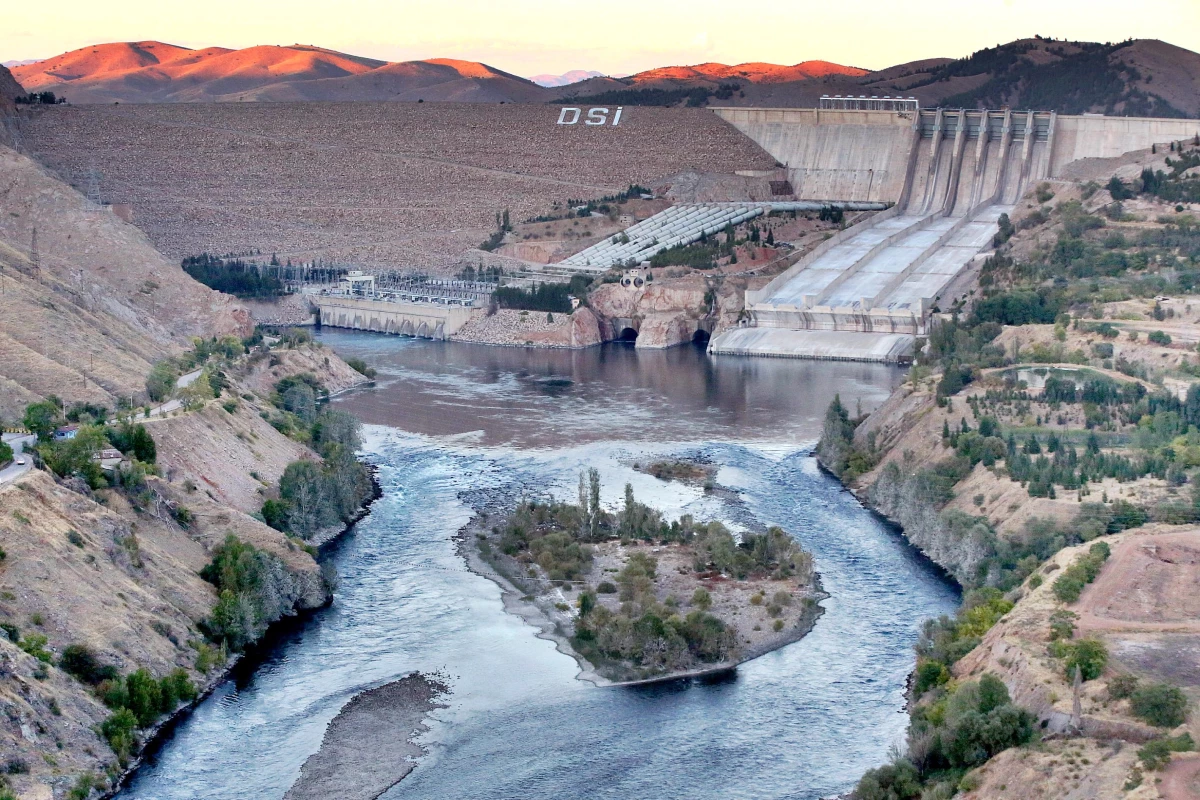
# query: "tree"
160,383
302,487
1090,656
42,418
6,454
74,456
144,696
1159,704
301,401
275,514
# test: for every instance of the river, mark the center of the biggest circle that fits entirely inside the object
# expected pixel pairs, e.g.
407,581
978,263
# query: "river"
802,722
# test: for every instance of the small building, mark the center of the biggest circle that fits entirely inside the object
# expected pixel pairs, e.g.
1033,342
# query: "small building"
108,458
65,432
357,282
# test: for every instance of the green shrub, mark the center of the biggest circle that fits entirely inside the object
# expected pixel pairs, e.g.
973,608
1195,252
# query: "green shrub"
118,731
35,645
79,660
1160,704
82,789
606,587
1158,337
143,696
1157,753
896,781
929,675
1068,586
701,599
176,688
1089,655
360,366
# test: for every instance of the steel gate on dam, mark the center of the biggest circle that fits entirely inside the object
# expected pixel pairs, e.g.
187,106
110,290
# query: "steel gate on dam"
868,291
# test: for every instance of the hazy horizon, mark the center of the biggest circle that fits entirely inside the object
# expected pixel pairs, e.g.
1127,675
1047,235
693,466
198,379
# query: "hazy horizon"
530,38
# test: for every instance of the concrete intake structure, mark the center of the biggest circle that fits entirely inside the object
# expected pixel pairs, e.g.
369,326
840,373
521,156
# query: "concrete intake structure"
950,173
423,320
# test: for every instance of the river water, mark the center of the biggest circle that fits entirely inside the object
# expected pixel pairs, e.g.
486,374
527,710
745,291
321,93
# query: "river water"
802,722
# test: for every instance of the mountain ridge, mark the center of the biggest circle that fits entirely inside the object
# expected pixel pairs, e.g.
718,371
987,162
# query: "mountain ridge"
1144,77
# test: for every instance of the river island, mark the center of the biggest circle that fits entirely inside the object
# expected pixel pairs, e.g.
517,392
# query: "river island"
636,598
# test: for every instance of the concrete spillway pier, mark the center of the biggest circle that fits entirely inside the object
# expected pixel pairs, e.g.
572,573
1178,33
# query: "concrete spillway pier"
869,291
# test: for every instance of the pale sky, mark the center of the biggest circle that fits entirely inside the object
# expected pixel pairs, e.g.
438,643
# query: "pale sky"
528,37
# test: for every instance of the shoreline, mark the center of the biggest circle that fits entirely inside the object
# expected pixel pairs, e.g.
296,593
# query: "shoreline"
527,608
157,736
342,767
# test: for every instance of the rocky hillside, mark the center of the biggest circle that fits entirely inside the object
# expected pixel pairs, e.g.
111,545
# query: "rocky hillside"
10,90
97,584
1044,451
97,306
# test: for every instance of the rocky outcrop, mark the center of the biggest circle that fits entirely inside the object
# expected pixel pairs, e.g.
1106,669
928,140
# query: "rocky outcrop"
10,90
508,327
663,313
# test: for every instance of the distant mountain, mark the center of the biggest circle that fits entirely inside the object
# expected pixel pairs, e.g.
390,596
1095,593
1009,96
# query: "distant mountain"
567,78
154,72
754,72
11,64
1142,77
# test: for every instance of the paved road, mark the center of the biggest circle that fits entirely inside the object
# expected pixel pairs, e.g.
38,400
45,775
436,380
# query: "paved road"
22,464
187,380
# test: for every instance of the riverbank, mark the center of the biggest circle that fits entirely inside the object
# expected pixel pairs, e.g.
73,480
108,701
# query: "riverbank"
370,746
757,615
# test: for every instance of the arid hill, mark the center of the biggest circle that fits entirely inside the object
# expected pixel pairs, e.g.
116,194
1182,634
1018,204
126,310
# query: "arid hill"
10,90
97,307
1138,78
755,72
153,72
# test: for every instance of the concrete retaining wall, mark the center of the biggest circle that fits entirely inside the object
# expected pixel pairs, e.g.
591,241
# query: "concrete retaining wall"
832,155
1108,137
424,320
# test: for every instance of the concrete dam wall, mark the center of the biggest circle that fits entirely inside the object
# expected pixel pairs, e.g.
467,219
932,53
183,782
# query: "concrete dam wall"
950,173
422,320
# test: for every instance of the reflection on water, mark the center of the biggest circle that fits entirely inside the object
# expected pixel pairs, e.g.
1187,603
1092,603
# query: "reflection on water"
802,722
528,397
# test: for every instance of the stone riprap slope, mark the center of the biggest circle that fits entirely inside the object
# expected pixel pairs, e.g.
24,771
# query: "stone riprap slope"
396,185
